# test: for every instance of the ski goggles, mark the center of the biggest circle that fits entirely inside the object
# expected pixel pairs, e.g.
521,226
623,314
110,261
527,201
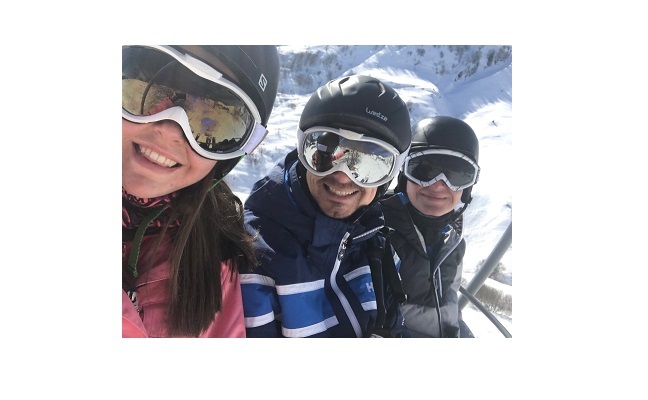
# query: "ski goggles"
452,167
219,120
368,161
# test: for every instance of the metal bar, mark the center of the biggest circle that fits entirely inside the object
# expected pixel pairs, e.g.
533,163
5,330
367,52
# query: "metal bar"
485,311
489,265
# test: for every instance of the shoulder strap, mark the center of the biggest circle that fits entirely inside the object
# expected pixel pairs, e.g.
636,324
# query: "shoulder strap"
389,268
383,272
374,255
137,240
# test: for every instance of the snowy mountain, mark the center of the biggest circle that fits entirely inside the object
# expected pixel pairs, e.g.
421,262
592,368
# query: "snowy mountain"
472,83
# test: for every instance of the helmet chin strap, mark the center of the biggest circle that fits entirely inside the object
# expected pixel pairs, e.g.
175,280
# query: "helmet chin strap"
222,169
457,212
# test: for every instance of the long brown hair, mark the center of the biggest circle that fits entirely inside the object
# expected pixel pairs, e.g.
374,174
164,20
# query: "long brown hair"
211,232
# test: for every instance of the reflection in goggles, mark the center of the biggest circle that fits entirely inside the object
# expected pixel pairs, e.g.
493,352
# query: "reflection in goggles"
215,126
366,162
152,82
429,166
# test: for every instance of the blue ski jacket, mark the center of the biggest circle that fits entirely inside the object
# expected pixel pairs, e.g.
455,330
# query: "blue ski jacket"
315,273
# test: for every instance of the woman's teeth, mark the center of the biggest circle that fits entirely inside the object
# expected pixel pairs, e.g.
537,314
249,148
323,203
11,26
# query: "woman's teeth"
156,158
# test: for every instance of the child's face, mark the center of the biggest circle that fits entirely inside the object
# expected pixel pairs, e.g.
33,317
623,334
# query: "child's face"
177,165
434,200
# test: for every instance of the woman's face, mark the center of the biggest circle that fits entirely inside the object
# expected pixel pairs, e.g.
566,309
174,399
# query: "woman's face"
157,160
434,200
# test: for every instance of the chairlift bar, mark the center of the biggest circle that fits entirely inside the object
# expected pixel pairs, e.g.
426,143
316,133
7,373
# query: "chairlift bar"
489,265
485,311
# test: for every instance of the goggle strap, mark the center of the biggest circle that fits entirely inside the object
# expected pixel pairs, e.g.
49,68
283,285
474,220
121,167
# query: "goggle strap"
400,161
205,71
199,68
255,138
457,154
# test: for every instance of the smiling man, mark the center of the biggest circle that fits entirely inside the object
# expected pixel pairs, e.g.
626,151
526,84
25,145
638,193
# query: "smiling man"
326,270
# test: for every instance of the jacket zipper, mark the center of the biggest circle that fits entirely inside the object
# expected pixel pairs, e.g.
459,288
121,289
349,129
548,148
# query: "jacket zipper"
345,302
438,265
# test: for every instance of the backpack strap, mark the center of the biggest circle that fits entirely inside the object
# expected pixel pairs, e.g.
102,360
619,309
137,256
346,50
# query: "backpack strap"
374,254
383,274
137,240
389,268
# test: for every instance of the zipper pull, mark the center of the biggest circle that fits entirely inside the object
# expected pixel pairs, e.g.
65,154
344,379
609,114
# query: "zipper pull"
343,246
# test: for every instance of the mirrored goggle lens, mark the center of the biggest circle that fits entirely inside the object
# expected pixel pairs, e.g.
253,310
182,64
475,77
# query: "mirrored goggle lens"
426,167
367,162
153,81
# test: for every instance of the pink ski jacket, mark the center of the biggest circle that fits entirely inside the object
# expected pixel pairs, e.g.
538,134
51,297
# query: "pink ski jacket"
153,298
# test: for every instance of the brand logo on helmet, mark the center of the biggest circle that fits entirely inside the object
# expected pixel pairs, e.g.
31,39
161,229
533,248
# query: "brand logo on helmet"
263,82
376,114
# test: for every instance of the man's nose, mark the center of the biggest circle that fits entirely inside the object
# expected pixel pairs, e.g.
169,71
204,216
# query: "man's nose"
341,177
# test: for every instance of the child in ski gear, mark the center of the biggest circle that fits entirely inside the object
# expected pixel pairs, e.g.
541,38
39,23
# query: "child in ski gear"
425,210
189,114
326,270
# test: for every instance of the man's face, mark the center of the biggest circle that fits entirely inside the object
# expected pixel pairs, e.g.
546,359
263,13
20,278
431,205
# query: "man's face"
337,195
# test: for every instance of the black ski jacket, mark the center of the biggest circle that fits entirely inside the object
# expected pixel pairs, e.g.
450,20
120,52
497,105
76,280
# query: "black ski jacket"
431,281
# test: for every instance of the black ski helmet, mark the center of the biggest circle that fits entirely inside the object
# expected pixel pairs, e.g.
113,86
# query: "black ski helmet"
255,68
364,105
361,104
443,132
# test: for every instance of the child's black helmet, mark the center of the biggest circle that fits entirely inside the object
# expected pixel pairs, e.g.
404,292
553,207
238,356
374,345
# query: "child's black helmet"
444,132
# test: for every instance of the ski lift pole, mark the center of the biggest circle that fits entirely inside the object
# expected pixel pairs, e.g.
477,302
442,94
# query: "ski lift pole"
485,311
489,265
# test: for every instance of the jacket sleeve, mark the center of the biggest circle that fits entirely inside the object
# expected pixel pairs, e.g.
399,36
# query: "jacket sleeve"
464,330
260,305
132,326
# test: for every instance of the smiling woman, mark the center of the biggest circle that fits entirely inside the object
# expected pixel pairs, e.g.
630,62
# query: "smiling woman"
189,113
157,160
